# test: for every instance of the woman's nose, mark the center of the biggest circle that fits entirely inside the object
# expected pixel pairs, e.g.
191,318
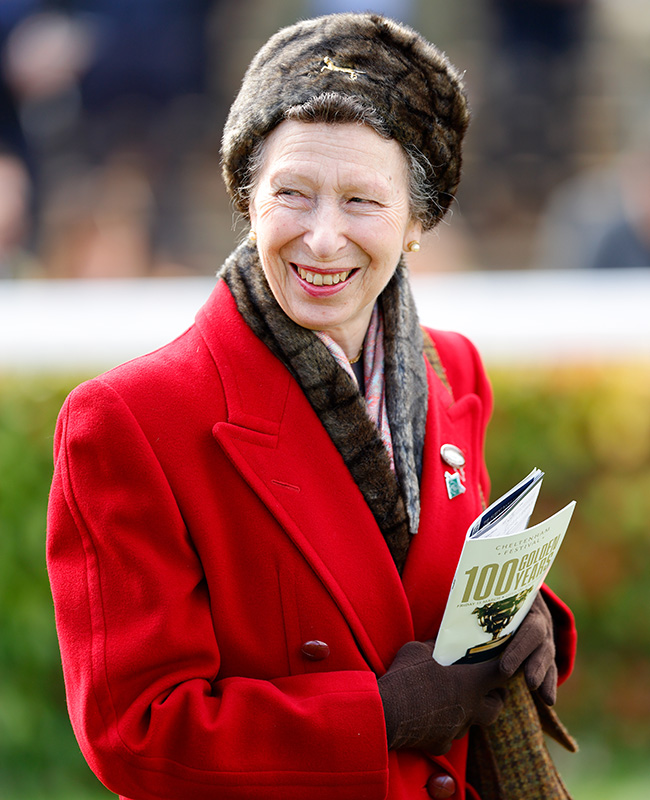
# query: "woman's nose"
325,235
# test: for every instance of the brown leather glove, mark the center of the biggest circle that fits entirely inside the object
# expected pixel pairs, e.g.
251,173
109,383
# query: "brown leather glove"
427,705
533,646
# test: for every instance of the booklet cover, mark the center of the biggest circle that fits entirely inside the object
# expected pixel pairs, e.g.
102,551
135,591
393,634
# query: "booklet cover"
501,567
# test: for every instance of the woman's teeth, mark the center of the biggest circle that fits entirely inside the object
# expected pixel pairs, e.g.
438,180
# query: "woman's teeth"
328,279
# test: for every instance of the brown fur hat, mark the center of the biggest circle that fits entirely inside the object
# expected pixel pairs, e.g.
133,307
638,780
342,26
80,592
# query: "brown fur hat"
386,65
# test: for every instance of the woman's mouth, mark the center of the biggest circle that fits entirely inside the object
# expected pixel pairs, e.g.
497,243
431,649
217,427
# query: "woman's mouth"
323,278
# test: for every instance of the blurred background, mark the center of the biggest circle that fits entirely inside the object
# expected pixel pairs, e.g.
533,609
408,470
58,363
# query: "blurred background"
110,121
111,114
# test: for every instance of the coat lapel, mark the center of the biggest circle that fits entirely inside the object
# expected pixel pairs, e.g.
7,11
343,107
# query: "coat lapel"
435,550
277,443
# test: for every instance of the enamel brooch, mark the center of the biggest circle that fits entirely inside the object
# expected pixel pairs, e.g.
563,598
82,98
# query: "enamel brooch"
453,457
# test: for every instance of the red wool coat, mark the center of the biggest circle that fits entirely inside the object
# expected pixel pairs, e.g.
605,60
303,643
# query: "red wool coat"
202,528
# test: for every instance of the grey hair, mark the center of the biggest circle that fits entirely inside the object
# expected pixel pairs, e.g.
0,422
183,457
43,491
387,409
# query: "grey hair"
333,108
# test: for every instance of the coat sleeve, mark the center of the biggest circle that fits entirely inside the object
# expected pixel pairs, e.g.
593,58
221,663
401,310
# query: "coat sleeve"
566,637
140,658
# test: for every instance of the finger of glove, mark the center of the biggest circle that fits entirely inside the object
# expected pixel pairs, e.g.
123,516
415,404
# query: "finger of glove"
538,664
446,727
548,687
412,655
486,676
534,630
489,708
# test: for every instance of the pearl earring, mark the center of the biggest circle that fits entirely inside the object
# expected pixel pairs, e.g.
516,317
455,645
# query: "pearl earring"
413,247
252,236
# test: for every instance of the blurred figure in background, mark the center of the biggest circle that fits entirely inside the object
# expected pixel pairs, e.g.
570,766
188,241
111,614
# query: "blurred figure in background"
16,164
601,218
528,114
625,242
112,98
533,91
15,194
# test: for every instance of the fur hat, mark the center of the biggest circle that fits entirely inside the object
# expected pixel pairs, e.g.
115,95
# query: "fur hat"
386,65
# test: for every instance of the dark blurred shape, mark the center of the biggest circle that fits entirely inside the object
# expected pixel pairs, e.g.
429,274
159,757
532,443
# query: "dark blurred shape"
528,113
625,240
623,246
17,165
12,138
111,93
15,197
600,218
534,91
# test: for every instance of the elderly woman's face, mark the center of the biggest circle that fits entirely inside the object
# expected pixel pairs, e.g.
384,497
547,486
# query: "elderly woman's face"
331,212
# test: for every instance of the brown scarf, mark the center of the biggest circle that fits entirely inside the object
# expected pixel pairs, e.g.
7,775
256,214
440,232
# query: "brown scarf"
393,497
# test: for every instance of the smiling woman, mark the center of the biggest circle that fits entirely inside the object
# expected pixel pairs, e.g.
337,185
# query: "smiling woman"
250,538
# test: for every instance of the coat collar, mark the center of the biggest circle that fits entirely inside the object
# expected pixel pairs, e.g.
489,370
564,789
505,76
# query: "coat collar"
435,551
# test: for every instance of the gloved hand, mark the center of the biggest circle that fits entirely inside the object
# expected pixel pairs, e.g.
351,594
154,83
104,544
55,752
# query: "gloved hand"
427,705
533,646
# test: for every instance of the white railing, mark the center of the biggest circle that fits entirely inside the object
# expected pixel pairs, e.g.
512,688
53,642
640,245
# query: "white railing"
554,316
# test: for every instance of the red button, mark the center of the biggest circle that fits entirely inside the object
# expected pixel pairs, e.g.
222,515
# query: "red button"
315,650
441,786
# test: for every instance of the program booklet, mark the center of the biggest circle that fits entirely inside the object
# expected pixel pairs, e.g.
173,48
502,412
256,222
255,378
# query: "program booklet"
501,567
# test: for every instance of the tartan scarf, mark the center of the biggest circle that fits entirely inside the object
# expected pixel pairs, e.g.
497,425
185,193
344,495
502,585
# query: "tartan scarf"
509,760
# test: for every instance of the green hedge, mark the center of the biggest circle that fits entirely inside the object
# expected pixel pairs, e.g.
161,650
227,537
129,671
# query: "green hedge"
37,749
588,428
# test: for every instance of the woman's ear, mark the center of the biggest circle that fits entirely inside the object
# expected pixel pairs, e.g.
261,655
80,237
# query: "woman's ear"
252,214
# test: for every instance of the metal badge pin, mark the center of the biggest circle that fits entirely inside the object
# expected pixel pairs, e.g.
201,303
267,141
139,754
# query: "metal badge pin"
454,457
329,64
